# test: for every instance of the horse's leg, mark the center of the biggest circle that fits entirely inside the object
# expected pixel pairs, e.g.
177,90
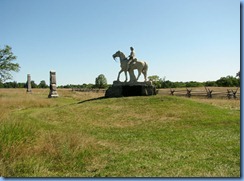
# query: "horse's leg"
144,71
140,69
125,76
132,75
139,73
119,74
145,76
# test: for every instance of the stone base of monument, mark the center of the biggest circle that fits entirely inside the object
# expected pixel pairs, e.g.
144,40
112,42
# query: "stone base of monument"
53,94
125,89
53,88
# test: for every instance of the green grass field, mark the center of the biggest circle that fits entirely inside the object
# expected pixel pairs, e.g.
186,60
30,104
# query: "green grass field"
77,135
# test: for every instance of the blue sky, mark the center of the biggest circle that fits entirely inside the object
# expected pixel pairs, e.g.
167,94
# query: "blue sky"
182,40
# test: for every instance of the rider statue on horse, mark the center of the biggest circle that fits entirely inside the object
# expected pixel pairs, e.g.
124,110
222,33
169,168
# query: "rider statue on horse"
130,64
131,58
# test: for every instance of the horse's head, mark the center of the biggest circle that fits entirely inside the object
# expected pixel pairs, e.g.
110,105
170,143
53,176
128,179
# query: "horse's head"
117,54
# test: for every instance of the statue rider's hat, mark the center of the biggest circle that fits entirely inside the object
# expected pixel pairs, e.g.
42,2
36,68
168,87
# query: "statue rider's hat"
131,48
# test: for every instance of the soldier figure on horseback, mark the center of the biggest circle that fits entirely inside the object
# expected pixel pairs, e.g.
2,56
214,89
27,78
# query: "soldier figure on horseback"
130,64
131,58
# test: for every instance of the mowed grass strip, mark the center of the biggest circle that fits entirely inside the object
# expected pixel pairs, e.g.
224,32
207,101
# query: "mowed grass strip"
80,136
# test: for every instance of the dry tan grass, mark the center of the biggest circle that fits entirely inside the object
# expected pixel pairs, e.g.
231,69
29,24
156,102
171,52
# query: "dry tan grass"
231,104
18,99
79,96
72,136
52,143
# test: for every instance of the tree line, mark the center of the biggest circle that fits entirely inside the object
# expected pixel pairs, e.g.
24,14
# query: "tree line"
228,81
15,84
7,66
101,83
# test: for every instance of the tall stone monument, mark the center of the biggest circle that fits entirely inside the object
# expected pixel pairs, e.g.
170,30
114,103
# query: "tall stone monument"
28,83
133,87
53,87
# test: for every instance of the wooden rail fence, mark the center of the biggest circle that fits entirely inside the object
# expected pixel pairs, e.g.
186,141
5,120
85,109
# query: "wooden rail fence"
230,93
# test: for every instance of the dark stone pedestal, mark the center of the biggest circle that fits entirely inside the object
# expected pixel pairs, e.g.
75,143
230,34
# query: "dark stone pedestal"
125,89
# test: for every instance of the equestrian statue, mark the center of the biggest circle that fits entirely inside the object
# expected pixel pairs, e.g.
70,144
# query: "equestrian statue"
130,64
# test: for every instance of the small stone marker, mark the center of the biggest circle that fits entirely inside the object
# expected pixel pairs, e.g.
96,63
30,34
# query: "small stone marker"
53,88
28,83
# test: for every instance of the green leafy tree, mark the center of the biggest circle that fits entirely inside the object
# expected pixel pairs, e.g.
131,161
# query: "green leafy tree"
210,83
238,74
14,84
167,84
193,84
155,80
43,84
11,84
6,63
101,81
33,84
21,85
1,85
228,81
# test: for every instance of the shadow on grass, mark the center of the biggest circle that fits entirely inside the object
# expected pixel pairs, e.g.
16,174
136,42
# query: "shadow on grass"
94,99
